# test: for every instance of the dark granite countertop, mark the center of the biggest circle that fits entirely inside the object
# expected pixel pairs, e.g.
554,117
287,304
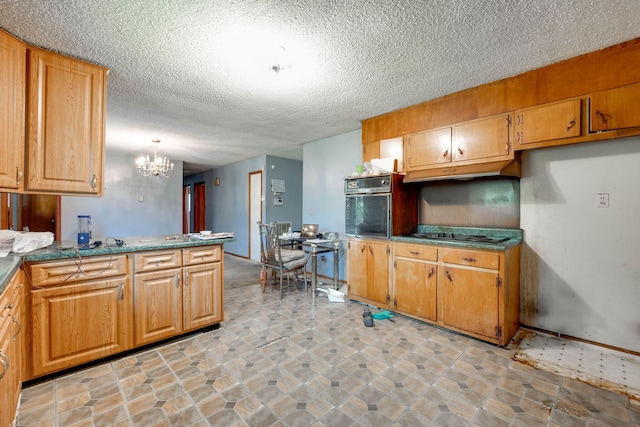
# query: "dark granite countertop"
61,250
513,235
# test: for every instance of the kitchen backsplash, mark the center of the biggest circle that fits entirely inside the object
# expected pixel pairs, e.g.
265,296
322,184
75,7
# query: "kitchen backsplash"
479,202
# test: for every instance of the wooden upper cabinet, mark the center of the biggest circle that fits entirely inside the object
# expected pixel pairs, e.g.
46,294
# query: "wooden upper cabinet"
65,124
615,108
550,122
12,101
429,148
484,139
370,150
394,148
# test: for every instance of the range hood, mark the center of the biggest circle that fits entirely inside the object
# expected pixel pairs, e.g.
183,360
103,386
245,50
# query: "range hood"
503,167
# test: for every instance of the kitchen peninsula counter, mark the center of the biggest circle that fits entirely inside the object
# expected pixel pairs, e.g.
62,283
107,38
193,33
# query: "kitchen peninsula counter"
83,305
58,250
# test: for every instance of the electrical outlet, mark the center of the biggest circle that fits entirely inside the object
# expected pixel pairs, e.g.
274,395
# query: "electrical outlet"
603,200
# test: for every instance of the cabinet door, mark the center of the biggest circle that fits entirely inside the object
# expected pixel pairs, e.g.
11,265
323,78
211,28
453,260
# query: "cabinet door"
378,254
65,140
370,150
12,100
478,140
548,123
10,349
615,108
357,268
7,374
158,302
428,148
202,295
470,300
394,148
415,287
74,324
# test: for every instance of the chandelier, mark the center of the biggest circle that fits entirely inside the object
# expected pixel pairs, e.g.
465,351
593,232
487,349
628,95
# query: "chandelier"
158,166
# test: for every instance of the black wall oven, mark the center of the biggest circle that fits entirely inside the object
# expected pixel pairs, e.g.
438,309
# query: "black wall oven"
380,206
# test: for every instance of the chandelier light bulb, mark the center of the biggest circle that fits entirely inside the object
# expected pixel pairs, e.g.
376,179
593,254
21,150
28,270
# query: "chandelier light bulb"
158,166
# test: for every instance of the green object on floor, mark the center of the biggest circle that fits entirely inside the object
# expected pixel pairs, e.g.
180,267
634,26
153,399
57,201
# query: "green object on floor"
384,314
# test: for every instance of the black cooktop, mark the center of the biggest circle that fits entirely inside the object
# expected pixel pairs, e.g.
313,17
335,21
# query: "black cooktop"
460,237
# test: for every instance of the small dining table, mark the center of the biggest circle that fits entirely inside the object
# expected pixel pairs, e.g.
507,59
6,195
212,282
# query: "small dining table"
319,246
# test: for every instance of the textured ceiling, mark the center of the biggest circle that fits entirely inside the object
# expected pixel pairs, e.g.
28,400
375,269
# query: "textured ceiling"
192,72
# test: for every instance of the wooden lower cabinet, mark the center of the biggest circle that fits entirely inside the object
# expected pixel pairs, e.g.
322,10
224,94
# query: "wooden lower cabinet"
470,300
415,280
369,271
158,305
111,304
473,291
11,341
80,322
202,295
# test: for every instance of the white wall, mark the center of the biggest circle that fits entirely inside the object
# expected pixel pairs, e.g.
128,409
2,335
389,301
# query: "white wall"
119,213
326,163
580,264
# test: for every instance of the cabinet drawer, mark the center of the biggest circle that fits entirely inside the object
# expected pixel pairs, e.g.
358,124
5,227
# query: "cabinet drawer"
61,272
201,254
415,251
157,260
470,257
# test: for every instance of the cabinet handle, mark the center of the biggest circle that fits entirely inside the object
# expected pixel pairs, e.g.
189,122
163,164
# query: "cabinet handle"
431,272
603,117
5,364
572,123
19,175
186,279
17,288
446,273
94,181
177,280
461,151
7,307
121,290
445,154
370,250
469,259
15,336
414,253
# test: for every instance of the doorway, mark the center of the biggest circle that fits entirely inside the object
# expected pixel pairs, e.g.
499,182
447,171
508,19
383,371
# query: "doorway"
255,213
6,212
186,209
38,212
199,217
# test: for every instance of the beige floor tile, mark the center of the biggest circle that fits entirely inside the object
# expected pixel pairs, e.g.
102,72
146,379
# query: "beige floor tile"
292,363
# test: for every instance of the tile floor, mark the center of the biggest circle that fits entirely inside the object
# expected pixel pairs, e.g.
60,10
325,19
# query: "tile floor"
293,363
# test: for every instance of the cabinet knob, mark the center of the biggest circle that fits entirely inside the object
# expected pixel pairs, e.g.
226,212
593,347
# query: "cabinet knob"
461,151
94,181
445,154
572,123
19,175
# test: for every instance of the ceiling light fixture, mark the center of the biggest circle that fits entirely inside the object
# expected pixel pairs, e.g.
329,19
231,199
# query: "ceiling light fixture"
281,59
158,166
